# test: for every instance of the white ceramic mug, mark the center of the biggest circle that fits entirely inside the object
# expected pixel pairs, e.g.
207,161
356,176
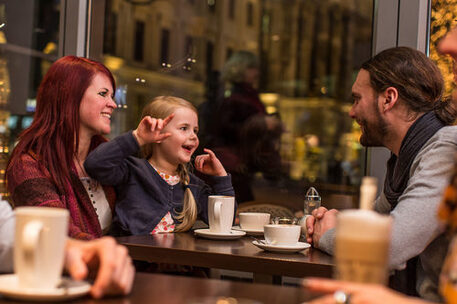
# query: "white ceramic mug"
254,220
282,234
220,213
40,238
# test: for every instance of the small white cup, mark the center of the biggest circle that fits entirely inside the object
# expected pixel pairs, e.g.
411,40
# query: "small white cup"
281,234
254,220
40,238
220,213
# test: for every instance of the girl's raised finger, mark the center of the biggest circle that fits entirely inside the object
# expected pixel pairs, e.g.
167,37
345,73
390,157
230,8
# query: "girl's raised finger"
211,153
168,118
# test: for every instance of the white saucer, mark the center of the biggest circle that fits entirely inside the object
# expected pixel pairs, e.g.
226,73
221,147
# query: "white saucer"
281,248
233,234
68,289
249,231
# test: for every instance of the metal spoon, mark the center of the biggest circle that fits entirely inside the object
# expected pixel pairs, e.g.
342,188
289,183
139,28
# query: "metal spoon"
263,242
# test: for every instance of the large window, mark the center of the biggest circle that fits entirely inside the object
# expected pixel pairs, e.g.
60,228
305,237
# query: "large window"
29,33
290,62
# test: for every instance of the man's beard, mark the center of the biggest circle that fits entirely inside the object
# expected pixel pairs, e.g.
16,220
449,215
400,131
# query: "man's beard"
373,133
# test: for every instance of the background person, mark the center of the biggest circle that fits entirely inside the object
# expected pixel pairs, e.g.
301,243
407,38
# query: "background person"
398,104
73,111
242,127
368,293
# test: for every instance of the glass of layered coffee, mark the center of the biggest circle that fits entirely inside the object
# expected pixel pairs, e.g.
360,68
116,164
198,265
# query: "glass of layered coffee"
362,246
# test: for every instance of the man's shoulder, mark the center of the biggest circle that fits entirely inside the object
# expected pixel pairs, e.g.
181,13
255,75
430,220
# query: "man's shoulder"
443,140
448,133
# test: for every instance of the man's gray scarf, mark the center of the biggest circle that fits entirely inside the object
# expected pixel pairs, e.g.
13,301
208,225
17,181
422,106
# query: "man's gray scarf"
398,168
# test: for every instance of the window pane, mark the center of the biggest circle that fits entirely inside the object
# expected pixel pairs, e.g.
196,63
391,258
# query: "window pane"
272,81
29,32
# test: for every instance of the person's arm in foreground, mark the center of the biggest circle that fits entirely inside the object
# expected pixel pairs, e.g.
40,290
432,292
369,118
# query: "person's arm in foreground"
359,293
6,237
103,259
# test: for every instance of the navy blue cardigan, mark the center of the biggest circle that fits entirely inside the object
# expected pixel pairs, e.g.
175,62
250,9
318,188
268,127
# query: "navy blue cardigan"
143,197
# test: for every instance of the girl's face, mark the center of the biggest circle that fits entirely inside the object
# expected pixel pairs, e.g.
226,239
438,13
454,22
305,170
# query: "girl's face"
179,147
96,107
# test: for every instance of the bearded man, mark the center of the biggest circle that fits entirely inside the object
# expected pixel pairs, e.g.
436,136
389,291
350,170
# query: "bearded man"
398,104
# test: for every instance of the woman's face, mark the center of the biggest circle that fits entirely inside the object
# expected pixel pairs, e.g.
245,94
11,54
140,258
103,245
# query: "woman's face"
96,107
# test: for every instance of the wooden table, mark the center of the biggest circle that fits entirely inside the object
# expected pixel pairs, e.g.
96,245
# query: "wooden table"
240,255
159,288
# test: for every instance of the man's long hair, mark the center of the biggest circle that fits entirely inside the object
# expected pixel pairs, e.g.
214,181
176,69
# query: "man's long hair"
417,79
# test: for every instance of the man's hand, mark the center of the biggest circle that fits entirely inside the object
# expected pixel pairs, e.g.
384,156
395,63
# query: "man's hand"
106,260
311,220
318,223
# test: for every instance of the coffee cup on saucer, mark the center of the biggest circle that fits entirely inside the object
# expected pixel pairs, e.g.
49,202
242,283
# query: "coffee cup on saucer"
282,234
221,209
253,220
40,238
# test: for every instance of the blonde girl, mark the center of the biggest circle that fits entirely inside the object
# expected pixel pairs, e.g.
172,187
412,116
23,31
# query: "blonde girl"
156,192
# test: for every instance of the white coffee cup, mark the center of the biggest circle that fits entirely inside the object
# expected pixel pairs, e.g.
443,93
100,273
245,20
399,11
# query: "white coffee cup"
281,234
221,209
253,220
40,238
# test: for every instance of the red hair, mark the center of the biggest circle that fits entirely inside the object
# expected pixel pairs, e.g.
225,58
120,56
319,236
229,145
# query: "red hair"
53,134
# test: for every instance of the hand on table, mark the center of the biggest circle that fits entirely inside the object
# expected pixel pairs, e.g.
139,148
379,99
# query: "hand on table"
359,293
318,223
103,259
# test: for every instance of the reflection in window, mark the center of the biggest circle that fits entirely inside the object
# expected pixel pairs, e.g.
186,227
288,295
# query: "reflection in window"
296,80
164,45
29,33
212,5
209,57
249,14
231,9
109,45
139,41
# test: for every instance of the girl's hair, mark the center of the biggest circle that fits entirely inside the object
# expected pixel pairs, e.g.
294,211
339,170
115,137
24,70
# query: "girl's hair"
53,135
161,107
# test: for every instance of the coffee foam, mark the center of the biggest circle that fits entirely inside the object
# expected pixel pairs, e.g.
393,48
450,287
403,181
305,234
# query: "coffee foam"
363,224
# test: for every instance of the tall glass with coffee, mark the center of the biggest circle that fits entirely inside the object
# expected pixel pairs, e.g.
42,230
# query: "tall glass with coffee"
362,246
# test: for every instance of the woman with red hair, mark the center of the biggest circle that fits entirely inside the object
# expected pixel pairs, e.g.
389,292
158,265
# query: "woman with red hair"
73,112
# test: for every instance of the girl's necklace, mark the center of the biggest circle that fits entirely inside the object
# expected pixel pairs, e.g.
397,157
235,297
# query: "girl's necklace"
160,170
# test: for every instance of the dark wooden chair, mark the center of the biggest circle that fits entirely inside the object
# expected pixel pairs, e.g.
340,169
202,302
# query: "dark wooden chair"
273,209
